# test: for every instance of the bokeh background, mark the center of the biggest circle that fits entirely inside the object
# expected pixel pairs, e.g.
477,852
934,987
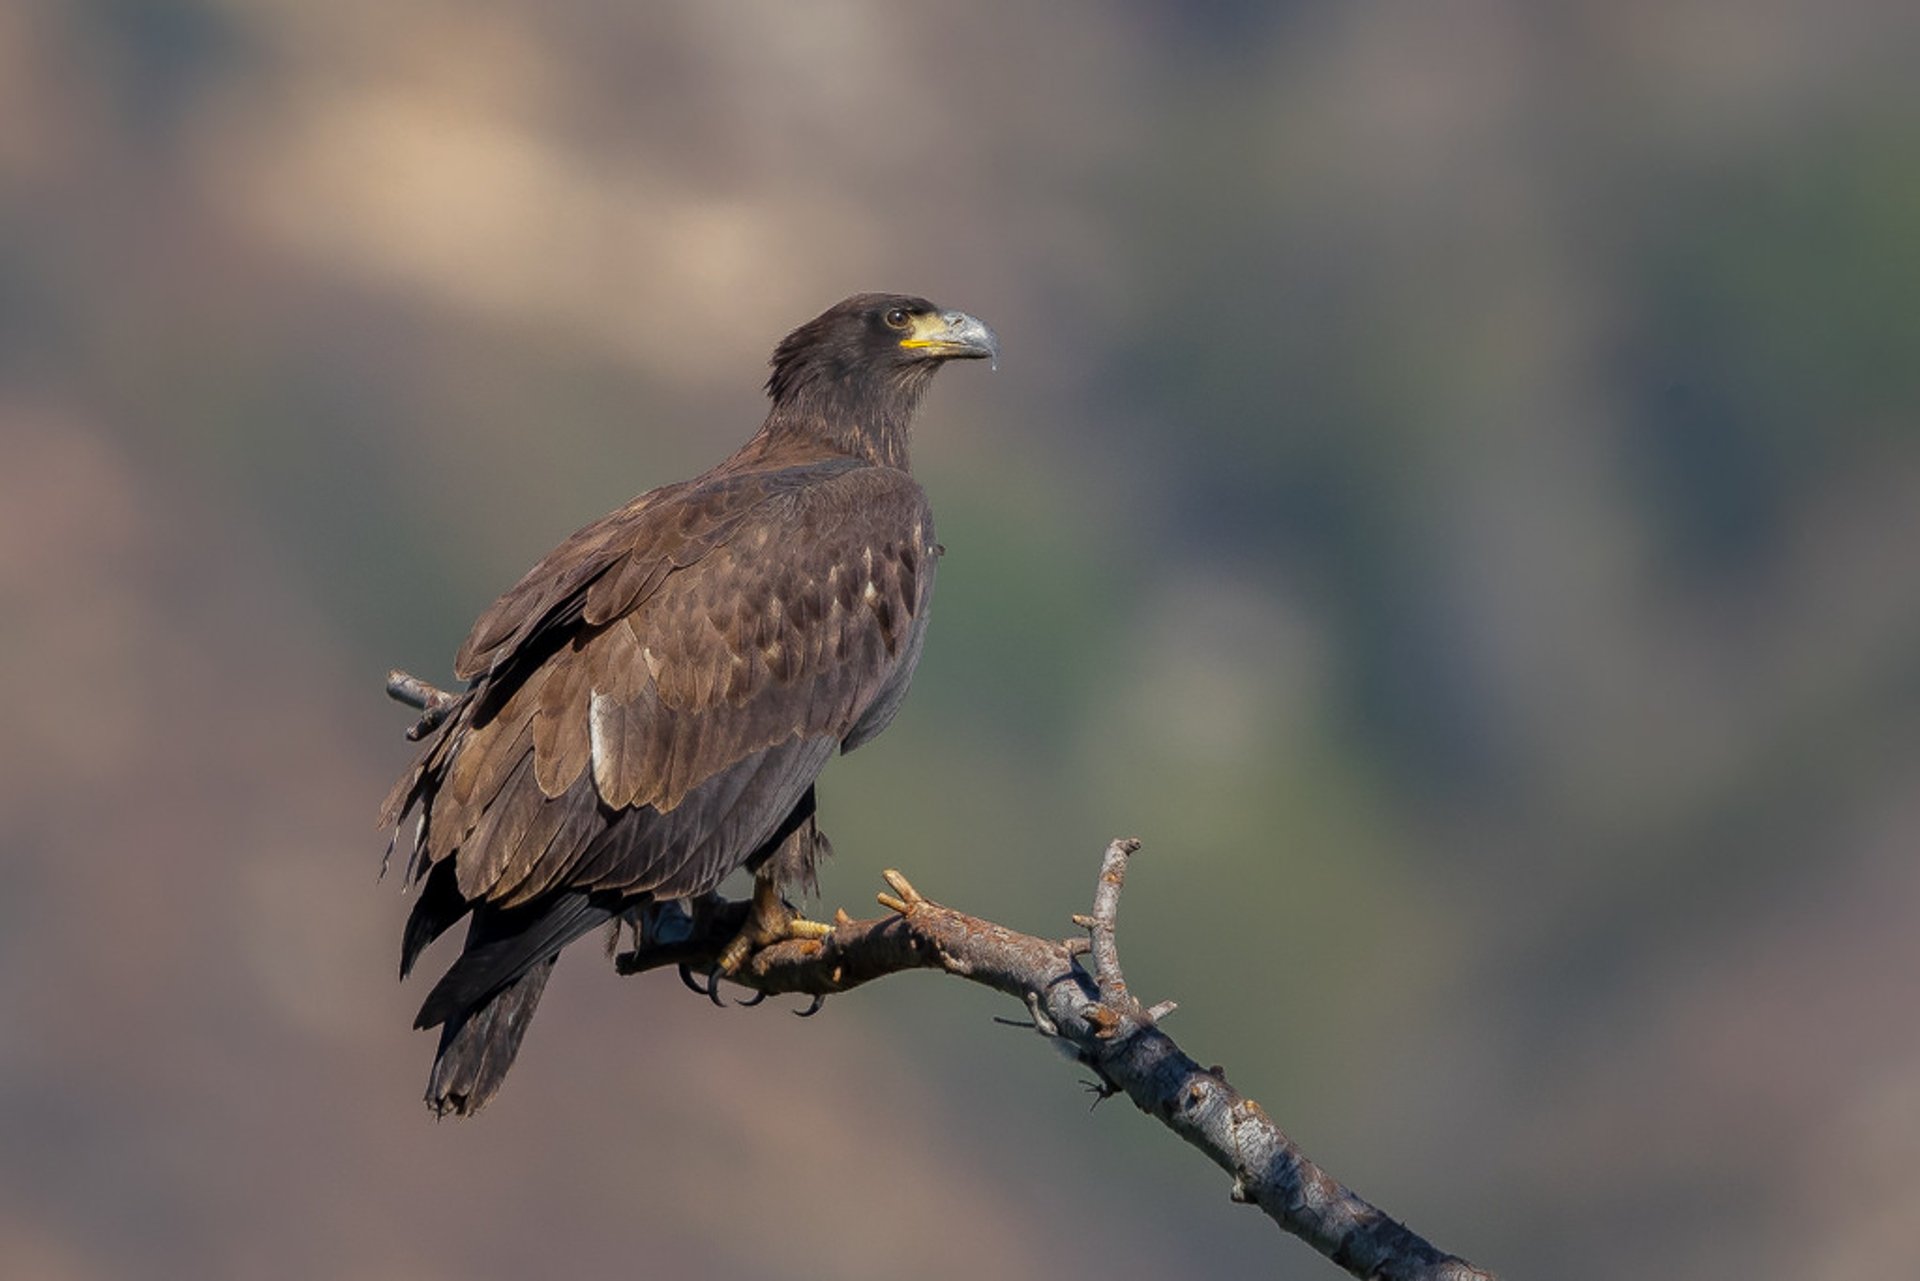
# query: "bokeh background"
1452,488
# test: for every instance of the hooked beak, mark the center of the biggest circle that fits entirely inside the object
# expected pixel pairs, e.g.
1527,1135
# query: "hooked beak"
952,335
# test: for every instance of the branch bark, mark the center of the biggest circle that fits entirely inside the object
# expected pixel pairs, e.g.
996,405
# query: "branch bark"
1094,1016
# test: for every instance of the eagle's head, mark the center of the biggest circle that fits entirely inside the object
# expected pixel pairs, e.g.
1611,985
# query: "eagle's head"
863,364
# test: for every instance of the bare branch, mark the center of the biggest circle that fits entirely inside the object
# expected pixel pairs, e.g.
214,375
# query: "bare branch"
1105,1028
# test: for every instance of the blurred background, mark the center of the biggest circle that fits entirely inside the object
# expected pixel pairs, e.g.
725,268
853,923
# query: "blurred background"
1452,488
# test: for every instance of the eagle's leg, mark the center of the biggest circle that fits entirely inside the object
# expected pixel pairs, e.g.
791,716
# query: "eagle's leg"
769,920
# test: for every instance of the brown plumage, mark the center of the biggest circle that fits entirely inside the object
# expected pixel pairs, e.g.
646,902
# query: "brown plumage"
647,709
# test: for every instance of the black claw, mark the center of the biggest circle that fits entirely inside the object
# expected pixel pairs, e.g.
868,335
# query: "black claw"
686,976
752,1001
713,987
813,1009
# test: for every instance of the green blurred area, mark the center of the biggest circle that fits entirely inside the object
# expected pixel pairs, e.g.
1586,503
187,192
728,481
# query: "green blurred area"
1452,488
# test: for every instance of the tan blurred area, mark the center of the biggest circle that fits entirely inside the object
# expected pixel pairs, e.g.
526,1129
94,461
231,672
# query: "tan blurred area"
1452,488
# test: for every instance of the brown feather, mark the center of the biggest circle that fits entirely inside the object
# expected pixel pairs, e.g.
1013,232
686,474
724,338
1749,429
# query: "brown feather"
483,853
562,740
553,847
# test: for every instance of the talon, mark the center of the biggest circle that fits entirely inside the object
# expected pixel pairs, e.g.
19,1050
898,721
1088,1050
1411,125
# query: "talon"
770,920
751,1001
713,987
686,976
812,1009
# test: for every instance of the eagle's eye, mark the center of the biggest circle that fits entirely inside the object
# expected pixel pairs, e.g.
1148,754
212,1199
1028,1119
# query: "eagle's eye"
897,318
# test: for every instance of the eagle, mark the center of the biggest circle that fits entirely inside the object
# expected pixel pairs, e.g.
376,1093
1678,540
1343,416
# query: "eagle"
646,711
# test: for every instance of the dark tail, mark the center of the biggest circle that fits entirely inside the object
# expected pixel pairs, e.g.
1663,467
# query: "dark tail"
477,1047
483,1004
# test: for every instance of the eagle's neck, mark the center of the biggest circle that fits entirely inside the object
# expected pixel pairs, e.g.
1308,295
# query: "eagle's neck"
866,416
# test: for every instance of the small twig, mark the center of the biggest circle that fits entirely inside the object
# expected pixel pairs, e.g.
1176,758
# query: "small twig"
904,897
435,704
1101,926
1042,1021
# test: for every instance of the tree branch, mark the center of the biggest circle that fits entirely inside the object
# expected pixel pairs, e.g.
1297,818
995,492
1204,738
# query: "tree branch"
1103,1026
1095,1017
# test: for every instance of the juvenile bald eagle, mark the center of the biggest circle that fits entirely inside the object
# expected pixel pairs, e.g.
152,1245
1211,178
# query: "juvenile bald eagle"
647,709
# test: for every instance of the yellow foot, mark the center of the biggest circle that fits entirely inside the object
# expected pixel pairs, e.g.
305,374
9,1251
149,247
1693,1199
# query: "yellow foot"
769,921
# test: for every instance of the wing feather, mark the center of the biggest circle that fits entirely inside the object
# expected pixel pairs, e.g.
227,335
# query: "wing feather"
482,855
576,819
641,709
562,727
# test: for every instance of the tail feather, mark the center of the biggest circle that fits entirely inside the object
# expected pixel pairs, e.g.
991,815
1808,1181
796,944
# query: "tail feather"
485,1000
503,945
439,906
478,1046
